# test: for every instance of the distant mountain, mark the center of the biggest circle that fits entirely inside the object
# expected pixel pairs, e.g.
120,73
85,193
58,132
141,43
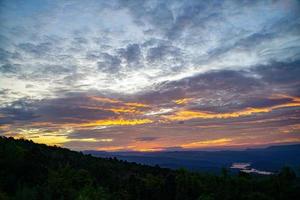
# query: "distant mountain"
271,158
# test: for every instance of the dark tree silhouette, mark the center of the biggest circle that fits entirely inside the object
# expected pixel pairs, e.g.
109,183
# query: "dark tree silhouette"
32,171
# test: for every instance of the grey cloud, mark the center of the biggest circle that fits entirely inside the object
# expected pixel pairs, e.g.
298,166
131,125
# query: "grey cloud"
4,91
77,109
5,56
173,148
146,138
9,68
80,40
227,90
12,115
217,84
280,72
172,17
18,30
29,86
17,111
193,14
41,49
284,77
131,53
109,63
93,55
160,53
191,21
50,70
176,28
71,79
78,44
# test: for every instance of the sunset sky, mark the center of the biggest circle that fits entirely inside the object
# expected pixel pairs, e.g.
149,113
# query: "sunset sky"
150,75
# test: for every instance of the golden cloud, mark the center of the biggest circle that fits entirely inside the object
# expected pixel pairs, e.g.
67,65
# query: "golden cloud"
183,101
189,114
104,99
207,143
136,104
116,122
54,137
124,110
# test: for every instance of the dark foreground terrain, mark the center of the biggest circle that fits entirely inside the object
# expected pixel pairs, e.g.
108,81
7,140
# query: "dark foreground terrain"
34,171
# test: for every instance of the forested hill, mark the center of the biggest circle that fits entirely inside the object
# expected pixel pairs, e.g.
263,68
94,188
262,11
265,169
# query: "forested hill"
35,171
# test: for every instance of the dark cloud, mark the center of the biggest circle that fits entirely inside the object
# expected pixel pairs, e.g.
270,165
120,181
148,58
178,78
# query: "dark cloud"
77,109
160,53
51,70
39,50
70,109
9,68
227,90
146,138
29,86
70,80
18,30
131,53
210,85
80,40
173,149
109,63
4,91
5,56
17,111
280,73
191,15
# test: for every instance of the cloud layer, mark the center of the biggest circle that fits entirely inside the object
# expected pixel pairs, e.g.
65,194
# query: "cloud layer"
150,75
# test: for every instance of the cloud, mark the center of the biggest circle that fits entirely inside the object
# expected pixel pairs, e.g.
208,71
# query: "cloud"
6,56
156,41
110,64
207,143
38,50
131,53
146,138
120,67
9,69
160,53
16,112
280,73
116,122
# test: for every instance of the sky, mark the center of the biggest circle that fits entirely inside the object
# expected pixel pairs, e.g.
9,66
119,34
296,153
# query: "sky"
131,75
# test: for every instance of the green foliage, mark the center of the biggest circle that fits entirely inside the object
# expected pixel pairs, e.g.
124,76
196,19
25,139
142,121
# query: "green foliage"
32,171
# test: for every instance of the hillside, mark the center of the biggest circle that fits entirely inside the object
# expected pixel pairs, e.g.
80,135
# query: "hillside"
36,171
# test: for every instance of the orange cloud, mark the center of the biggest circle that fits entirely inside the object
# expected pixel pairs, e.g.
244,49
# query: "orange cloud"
58,137
118,107
136,104
108,100
183,101
123,110
104,99
207,143
131,148
114,148
189,114
117,122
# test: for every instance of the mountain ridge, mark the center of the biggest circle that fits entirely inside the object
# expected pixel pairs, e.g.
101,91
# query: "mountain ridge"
270,158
